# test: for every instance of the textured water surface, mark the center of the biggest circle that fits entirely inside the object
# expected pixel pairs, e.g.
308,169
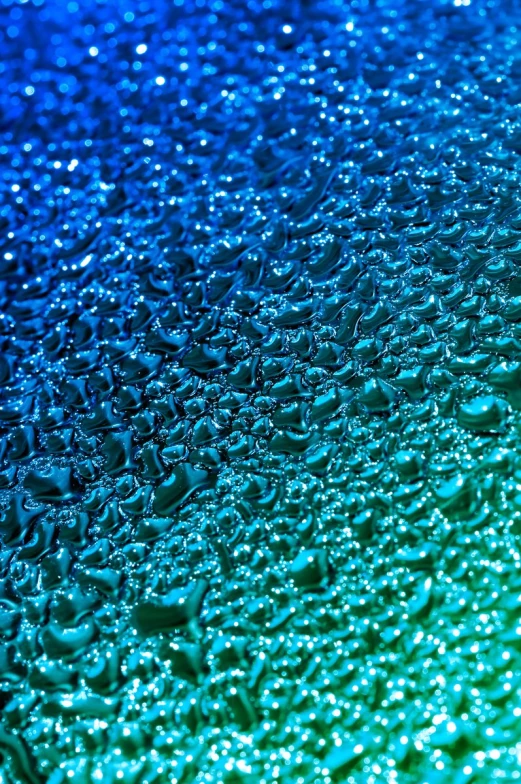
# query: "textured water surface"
260,392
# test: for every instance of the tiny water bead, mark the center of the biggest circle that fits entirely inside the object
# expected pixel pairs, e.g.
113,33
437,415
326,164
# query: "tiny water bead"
260,367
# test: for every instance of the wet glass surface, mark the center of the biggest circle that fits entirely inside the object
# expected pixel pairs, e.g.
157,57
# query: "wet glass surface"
260,392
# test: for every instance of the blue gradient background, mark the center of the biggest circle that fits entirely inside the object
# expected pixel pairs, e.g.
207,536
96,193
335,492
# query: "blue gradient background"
260,365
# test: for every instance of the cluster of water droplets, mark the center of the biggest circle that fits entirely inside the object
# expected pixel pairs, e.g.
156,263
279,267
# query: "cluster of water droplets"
260,384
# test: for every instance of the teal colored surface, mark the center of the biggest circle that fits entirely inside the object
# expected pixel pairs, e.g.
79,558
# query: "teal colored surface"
260,392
